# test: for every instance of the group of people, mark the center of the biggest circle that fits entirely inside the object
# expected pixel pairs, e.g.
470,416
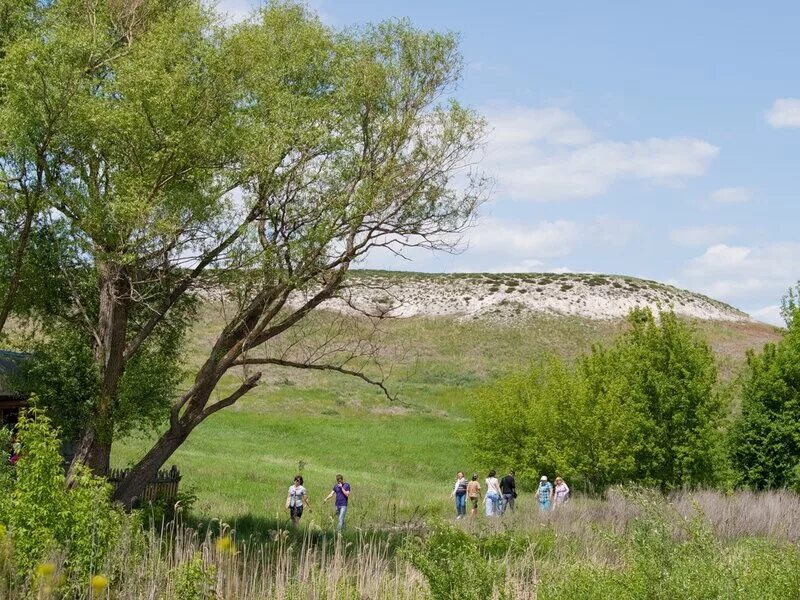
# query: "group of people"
501,494
297,500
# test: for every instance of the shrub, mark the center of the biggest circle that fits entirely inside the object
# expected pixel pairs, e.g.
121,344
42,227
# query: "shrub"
644,409
765,439
45,517
194,580
452,563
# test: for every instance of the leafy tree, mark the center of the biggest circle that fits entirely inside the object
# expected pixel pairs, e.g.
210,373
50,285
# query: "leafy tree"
644,409
765,439
677,415
790,304
174,154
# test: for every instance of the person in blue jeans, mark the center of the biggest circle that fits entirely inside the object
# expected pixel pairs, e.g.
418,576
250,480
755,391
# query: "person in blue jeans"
342,492
460,494
544,494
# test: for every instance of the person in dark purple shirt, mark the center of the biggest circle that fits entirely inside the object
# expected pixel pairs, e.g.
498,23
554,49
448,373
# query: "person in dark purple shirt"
342,492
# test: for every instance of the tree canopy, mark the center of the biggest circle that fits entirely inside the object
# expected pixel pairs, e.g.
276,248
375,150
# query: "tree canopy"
765,439
162,152
644,409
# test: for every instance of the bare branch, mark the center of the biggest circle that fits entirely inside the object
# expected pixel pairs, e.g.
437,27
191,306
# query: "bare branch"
317,367
248,385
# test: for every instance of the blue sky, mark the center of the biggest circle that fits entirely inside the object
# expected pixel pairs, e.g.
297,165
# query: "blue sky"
660,140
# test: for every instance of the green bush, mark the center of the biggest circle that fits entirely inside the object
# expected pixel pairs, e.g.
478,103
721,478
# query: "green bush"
453,565
645,409
765,439
194,580
44,517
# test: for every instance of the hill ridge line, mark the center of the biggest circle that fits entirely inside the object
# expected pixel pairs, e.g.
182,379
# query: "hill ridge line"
504,296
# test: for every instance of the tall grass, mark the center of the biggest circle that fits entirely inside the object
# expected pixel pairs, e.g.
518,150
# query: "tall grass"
632,545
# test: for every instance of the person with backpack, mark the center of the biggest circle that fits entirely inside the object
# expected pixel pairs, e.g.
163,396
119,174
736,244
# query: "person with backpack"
460,494
296,500
508,487
341,490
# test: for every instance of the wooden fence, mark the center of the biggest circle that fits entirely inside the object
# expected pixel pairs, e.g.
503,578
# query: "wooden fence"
164,487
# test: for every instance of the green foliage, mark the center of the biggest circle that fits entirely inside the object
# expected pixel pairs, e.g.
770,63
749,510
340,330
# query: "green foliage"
453,564
141,120
63,376
63,373
644,409
6,470
790,304
665,557
45,517
765,439
669,377
195,581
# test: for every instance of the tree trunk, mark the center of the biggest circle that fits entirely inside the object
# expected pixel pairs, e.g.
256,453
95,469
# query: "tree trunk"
94,447
130,490
16,275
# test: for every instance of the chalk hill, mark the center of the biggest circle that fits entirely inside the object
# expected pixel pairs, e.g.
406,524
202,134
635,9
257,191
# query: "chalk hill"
510,296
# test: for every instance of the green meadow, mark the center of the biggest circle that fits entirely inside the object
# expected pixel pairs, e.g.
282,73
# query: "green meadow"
400,455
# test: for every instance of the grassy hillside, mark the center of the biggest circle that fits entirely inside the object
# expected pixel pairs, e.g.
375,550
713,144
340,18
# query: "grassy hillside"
399,456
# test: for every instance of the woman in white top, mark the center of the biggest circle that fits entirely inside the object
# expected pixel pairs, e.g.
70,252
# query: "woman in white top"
561,491
493,494
296,500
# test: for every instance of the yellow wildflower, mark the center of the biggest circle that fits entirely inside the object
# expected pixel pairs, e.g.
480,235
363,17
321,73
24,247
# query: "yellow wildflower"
225,544
99,583
45,570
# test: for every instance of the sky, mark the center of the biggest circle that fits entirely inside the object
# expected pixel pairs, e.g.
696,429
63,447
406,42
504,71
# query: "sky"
659,140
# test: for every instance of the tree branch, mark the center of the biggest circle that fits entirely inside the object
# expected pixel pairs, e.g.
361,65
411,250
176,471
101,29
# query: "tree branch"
248,385
316,367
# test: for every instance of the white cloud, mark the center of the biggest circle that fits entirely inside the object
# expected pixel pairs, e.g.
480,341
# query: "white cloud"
769,314
730,195
235,10
549,154
702,235
523,126
548,239
785,112
740,272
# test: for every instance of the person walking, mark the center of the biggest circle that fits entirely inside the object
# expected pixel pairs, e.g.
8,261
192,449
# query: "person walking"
508,487
474,494
460,494
296,500
544,494
341,490
493,494
561,492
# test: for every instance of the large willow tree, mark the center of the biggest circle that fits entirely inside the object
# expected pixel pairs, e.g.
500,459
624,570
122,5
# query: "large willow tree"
159,153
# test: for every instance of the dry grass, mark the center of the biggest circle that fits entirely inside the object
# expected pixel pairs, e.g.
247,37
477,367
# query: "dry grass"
175,561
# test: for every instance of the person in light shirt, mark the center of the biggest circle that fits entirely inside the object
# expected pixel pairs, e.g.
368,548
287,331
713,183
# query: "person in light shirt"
493,494
296,500
561,492
544,494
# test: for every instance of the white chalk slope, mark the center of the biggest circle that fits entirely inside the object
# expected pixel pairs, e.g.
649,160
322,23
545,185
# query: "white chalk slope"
509,296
